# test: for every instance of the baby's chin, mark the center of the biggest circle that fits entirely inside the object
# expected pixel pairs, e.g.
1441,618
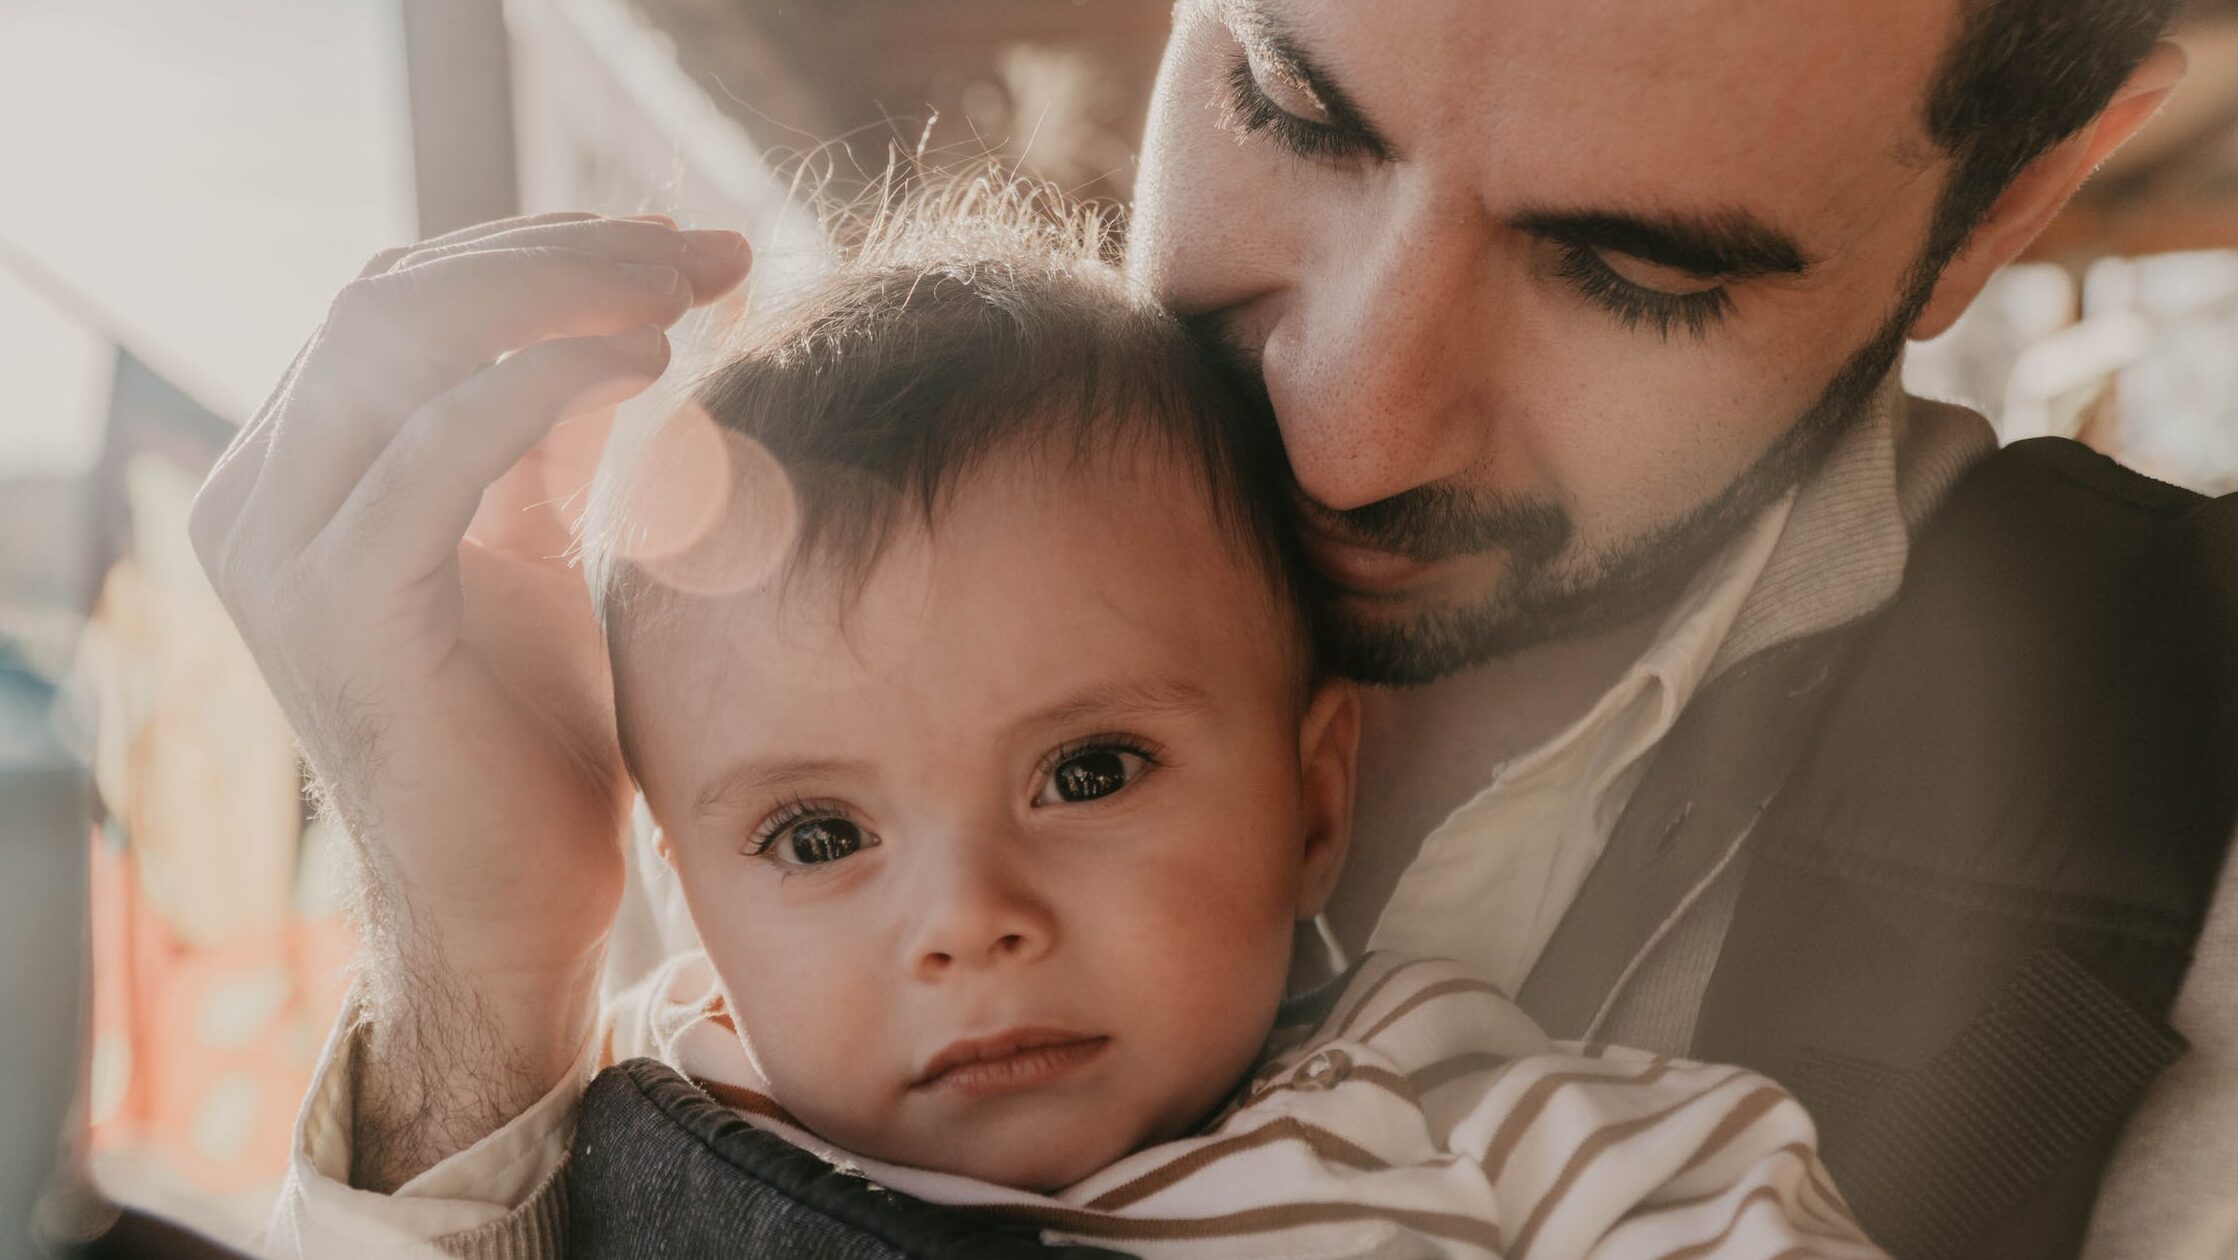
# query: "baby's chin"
1041,1153
1042,1168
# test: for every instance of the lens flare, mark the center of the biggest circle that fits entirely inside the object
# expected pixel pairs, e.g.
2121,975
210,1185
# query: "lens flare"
710,511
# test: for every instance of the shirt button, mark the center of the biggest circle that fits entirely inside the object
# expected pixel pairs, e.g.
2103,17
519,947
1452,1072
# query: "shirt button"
1325,1070
1669,838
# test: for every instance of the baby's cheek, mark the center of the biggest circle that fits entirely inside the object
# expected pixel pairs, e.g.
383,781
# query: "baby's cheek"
825,1057
1208,958
793,1008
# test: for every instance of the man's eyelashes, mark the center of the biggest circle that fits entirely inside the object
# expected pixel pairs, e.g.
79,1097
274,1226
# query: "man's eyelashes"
1252,112
1635,305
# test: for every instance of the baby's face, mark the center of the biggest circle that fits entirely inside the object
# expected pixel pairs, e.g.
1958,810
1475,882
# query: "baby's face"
999,865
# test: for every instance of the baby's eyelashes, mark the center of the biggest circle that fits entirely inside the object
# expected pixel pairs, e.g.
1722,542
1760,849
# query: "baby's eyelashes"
802,833
1092,769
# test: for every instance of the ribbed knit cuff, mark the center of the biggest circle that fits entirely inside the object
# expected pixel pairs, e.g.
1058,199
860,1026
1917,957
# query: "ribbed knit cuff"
536,1230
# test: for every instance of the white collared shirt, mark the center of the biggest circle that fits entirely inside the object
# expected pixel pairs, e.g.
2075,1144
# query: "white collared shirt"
1494,879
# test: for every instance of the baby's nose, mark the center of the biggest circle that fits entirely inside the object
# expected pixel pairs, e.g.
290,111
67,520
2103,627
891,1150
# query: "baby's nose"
978,912
937,960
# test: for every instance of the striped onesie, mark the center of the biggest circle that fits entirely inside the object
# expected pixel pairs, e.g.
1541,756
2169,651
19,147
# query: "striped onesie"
1404,1110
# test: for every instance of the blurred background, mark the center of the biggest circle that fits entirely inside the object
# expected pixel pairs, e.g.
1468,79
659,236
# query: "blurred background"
183,186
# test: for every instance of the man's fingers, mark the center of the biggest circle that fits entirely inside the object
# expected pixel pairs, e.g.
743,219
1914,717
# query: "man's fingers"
532,510
406,517
217,505
444,318
388,258
395,341
711,261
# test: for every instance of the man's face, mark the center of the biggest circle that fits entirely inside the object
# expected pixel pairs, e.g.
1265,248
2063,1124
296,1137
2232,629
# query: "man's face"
1035,794
1548,296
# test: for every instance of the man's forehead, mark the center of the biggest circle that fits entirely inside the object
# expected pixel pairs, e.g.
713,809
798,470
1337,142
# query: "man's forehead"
1807,113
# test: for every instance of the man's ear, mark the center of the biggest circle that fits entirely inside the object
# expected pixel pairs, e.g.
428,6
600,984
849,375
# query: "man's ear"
1328,747
2038,193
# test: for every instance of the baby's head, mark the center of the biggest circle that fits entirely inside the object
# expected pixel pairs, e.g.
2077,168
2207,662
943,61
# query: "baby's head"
995,793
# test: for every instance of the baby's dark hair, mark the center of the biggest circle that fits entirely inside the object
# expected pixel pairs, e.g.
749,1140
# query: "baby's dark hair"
966,325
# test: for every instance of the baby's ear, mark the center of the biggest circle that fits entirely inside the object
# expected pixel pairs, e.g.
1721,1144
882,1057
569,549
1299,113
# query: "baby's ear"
1328,744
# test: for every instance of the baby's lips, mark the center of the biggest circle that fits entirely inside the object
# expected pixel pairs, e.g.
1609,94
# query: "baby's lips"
1009,1043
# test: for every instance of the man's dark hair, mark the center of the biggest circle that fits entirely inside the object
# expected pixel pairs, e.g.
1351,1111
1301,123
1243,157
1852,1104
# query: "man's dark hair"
2022,76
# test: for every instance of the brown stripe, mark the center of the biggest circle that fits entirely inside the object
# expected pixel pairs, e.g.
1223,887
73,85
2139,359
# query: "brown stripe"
1390,1082
1801,1150
1260,1220
1747,1111
1811,1206
1827,1203
1590,1150
606,1044
1339,1023
1534,1100
1841,1227
1740,1209
1420,996
746,1100
1327,1145
1448,1070
1824,1181
1810,1198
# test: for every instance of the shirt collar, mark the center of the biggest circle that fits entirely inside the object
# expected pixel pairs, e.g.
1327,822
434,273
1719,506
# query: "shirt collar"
1842,553
1828,552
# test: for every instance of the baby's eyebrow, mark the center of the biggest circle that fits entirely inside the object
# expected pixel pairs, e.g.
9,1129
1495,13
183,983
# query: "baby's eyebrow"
754,779
1134,698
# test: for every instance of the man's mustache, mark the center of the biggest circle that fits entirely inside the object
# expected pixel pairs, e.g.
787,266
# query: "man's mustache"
1427,523
1436,522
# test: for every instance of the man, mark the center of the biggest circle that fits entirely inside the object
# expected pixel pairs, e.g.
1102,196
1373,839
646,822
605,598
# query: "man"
1743,707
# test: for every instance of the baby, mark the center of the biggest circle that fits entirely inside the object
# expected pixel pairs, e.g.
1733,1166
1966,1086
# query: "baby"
978,710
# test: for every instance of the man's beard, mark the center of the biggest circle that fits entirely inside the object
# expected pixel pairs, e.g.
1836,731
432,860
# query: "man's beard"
1544,597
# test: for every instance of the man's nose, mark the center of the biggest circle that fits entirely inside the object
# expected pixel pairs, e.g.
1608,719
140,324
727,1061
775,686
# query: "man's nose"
977,907
1380,366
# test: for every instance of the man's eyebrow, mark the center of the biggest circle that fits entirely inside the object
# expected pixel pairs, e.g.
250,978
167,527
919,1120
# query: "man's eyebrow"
1273,38
1127,700
1724,245
751,779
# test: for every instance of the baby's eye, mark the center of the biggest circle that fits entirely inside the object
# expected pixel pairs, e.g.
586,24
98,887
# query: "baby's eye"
822,840
1091,773
811,839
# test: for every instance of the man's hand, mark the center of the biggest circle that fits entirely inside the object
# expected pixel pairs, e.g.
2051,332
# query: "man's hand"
449,691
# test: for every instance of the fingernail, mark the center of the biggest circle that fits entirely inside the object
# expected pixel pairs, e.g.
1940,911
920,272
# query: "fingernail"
663,280
715,243
661,219
638,343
